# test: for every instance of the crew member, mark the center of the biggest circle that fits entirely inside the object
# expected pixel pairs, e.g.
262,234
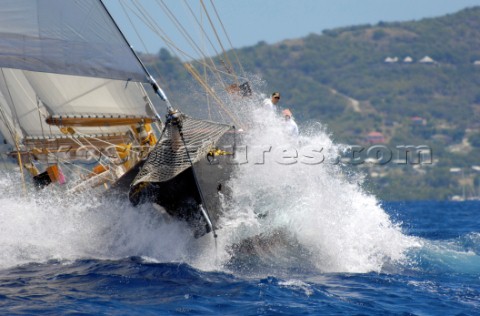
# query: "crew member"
290,126
271,103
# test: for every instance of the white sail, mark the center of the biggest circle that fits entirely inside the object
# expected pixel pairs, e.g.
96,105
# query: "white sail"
21,101
67,59
32,97
63,94
74,109
65,37
7,126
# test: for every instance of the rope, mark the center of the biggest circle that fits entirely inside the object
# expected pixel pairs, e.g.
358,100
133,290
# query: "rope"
15,138
199,51
150,22
205,79
215,70
144,16
216,34
157,69
228,38
200,25
221,104
181,28
41,125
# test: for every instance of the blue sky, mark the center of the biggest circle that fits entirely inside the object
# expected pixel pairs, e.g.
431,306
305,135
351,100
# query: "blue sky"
249,21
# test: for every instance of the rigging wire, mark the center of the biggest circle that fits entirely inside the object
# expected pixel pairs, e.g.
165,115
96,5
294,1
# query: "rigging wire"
205,77
11,130
181,28
215,70
217,36
15,138
155,66
200,25
145,17
13,110
190,40
228,37
41,124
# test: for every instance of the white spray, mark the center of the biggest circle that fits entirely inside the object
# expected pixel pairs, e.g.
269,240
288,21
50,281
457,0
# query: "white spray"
288,194
302,204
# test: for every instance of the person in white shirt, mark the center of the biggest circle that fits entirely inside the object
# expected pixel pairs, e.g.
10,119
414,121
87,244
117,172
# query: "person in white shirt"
290,126
271,103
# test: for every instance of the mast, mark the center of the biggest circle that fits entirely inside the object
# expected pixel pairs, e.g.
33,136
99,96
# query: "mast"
156,88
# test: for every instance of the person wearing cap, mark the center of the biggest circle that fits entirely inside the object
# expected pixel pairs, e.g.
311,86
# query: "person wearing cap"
271,103
290,126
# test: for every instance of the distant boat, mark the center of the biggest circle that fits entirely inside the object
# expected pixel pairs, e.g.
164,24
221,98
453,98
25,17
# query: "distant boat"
472,194
72,92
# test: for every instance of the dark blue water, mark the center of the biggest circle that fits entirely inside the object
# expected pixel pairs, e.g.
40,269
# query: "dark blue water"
441,277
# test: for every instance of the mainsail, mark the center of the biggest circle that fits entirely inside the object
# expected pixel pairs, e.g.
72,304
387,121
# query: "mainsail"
65,37
69,80
66,64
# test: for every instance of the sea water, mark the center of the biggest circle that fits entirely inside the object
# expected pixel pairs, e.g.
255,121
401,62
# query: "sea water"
299,236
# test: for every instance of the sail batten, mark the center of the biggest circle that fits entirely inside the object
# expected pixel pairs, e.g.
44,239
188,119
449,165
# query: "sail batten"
65,37
99,121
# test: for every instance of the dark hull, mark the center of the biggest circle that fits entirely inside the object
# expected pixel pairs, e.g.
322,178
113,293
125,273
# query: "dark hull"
181,196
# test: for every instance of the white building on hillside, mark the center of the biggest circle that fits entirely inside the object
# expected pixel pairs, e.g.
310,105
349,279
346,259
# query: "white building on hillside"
391,60
427,60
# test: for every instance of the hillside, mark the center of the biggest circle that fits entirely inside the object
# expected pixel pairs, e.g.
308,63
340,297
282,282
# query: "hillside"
372,78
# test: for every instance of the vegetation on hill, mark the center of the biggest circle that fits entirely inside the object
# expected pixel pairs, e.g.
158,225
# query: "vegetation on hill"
372,78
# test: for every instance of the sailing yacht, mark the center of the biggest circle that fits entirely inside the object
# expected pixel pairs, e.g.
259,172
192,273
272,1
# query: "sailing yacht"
74,106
